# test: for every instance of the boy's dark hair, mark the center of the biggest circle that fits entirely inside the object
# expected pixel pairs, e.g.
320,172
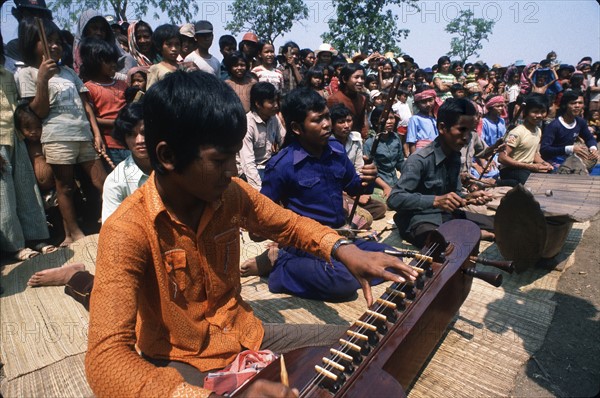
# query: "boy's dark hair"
454,64
568,96
23,111
304,53
162,34
337,61
401,91
188,110
347,71
338,112
371,78
233,59
93,52
261,44
29,37
227,40
456,87
261,92
128,117
535,101
452,109
296,106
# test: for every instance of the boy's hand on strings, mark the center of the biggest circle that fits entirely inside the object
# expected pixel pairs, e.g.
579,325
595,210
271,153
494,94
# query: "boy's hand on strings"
368,173
369,265
47,69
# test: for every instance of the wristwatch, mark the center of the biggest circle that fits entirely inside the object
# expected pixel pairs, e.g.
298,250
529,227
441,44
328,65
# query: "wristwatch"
337,244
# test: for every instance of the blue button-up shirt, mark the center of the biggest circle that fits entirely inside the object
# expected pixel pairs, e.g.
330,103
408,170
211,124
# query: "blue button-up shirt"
426,174
310,186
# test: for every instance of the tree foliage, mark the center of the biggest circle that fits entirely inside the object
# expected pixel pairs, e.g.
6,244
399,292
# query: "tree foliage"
366,26
67,11
471,32
267,18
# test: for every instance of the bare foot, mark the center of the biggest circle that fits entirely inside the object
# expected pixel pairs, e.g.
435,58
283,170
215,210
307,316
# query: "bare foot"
260,265
487,235
55,276
68,240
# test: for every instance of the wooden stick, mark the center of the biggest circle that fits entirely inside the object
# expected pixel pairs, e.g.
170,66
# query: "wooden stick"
284,374
43,39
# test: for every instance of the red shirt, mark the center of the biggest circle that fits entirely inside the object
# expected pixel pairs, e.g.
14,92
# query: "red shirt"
107,101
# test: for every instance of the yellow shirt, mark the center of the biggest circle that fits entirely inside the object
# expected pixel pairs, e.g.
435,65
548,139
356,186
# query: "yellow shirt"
175,293
524,142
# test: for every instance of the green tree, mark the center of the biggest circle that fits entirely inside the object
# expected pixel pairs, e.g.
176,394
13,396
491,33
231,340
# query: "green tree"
364,25
471,32
67,11
269,19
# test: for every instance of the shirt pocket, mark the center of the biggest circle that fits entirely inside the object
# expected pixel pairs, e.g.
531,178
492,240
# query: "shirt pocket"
435,185
309,189
227,247
178,272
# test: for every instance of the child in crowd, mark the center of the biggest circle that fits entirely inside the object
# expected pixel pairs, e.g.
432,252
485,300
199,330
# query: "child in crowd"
139,34
188,42
371,83
352,84
494,126
389,154
167,43
22,219
107,95
594,123
266,71
458,91
404,112
443,79
133,172
289,67
315,79
341,125
240,80
227,45
263,136
205,62
58,97
422,128
521,156
28,124
561,137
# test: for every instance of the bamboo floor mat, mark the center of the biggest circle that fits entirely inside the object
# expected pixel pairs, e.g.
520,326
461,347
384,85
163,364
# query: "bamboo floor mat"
496,331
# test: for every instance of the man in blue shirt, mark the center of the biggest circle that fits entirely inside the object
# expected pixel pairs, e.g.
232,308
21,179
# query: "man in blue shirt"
308,176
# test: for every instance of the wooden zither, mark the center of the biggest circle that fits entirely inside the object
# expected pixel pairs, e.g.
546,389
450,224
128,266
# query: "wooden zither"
383,351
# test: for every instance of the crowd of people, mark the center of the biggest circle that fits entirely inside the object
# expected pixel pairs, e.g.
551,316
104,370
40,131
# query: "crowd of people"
97,113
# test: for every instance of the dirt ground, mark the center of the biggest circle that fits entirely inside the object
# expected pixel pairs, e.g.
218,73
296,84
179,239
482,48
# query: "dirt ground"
568,363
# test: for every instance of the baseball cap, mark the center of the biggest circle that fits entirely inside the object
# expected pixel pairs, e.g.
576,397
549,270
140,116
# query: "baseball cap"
203,27
187,29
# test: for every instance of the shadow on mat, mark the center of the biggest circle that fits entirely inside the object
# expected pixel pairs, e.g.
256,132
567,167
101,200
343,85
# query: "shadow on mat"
557,366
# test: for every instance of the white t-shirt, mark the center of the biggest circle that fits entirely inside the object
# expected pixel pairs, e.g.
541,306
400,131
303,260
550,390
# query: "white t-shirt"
209,65
66,120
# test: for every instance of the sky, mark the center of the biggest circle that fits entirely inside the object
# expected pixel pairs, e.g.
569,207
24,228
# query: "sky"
525,30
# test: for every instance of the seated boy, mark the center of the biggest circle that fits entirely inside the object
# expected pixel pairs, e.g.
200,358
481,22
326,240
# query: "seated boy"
167,275
308,176
341,124
521,155
422,127
428,191
263,136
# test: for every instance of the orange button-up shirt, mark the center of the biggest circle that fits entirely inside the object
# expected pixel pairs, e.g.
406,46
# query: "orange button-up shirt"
175,292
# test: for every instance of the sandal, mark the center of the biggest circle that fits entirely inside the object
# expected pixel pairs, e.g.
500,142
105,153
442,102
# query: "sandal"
45,248
25,254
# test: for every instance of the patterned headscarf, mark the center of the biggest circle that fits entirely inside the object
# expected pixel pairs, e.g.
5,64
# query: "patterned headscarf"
134,50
